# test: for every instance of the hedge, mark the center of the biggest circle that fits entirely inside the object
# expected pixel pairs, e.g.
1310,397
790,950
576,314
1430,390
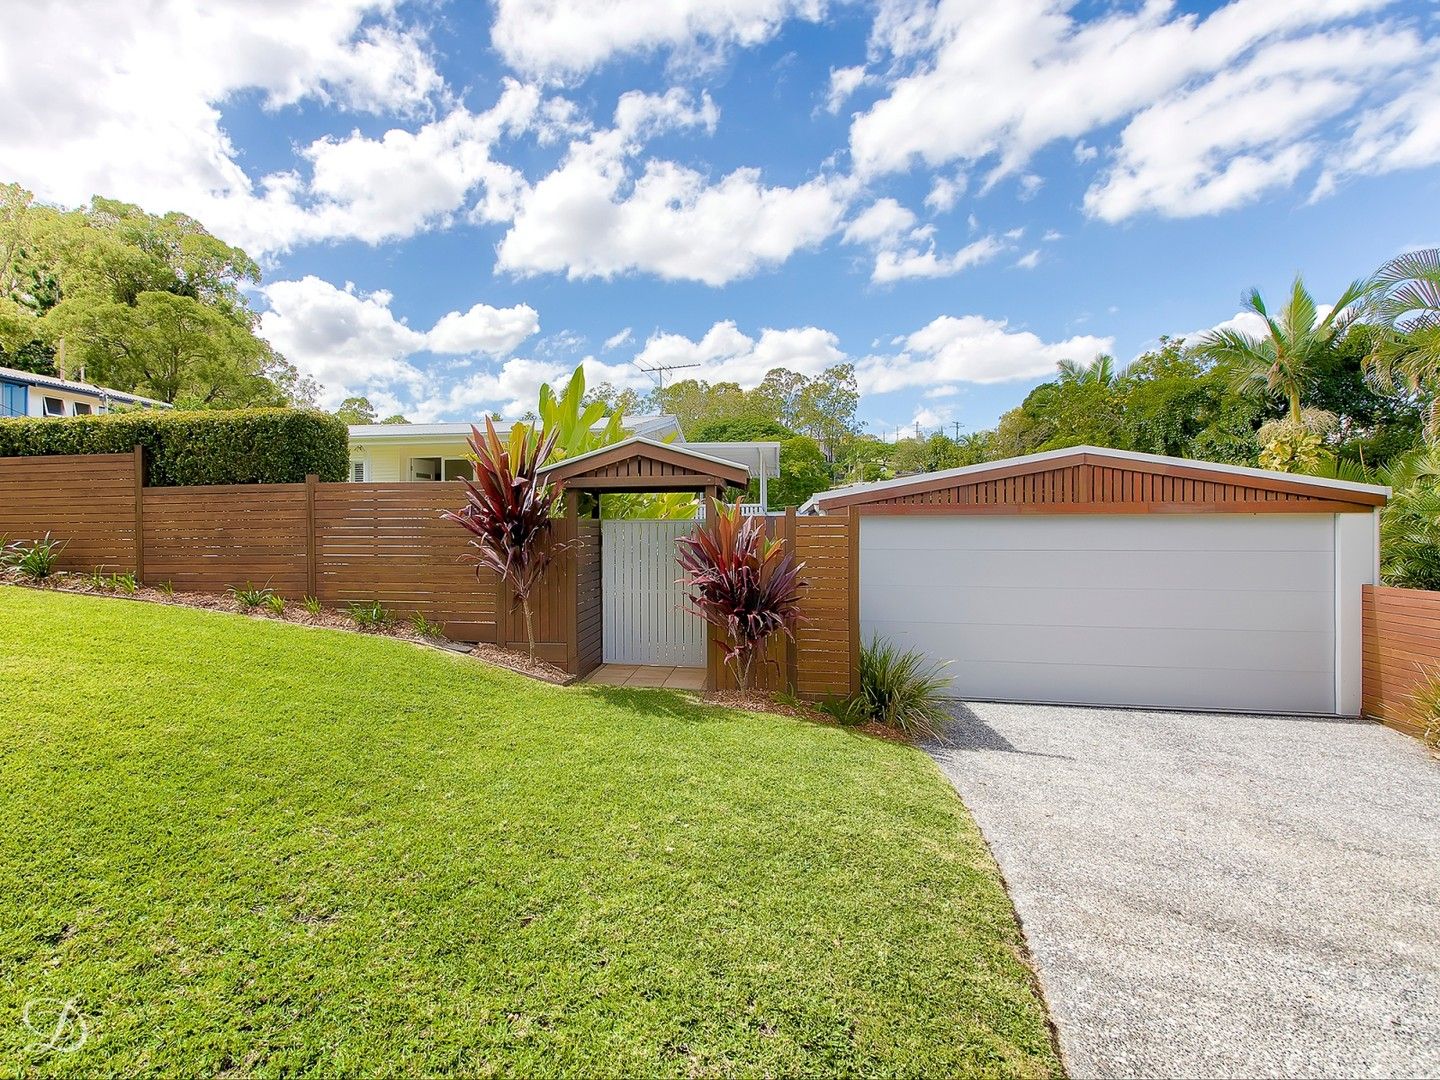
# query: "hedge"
242,446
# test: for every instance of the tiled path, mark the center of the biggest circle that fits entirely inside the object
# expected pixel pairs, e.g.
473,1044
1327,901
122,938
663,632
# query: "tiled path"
671,678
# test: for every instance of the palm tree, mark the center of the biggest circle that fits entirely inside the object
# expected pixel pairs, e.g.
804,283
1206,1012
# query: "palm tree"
1407,304
1099,372
1294,340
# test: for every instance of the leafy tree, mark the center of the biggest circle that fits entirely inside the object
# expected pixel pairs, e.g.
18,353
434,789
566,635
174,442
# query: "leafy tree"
803,472
356,410
154,305
1295,342
744,429
615,400
395,418
825,408
1410,523
1407,305
695,402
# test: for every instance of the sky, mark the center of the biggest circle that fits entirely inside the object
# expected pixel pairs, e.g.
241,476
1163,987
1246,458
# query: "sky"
453,202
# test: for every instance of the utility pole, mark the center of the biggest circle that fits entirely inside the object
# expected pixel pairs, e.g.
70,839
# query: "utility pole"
957,430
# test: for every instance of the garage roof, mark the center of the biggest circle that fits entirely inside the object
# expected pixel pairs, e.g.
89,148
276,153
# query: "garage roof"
1091,479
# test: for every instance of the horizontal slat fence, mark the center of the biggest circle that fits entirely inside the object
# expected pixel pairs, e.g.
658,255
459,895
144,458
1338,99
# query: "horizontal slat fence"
206,539
1402,651
387,542
86,500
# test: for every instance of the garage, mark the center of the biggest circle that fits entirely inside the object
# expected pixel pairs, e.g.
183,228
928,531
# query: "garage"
1094,576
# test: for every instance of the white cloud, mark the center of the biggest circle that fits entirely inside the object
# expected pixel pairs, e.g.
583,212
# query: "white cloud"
1245,131
1403,133
1029,260
997,82
350,341
913,262
511,389
483,329
945,191
726,354
1052,235
881,220
353,343
594,217
843,83
619,338
971,348
557,39
133,111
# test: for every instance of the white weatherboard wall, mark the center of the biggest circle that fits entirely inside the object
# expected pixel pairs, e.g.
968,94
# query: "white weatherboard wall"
644,620
1216,611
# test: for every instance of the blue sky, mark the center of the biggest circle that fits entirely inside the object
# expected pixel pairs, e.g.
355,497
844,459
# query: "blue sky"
453,202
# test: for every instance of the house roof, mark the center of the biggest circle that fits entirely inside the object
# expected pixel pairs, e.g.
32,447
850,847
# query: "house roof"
641,464
69,386
912,488
755,456
657,426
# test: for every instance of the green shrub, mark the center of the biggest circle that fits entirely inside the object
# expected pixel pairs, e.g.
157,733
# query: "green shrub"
165,588
36,561
241,446
248,596
371,615
1426,707
125,583
313,605
902,689
425,628
275,603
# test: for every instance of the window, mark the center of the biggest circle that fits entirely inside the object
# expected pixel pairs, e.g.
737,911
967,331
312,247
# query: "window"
54,406
82,408
357,472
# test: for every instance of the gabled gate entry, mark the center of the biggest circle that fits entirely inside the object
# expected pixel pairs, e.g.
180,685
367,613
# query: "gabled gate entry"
643,605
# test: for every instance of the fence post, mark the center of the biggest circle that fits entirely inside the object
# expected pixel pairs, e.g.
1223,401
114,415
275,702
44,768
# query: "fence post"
140,514
852,527
312,576
792,646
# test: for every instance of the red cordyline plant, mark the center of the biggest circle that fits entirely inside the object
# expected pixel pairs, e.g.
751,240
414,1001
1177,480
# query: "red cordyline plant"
742,582
510,510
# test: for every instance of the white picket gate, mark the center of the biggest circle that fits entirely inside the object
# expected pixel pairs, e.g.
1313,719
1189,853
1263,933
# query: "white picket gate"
645,621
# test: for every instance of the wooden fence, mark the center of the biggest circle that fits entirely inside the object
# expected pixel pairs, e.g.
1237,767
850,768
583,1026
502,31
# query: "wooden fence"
345,542
1402,651
824,659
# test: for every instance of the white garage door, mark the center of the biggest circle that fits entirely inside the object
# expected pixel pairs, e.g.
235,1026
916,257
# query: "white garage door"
1213,612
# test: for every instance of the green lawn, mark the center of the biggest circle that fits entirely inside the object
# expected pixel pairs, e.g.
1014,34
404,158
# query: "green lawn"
245,847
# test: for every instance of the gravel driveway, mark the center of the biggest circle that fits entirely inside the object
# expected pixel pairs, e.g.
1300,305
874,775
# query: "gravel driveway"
1217,895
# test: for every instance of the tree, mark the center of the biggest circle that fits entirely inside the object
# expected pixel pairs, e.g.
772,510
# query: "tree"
742,582
356,410
1406,303
149,304
825,408
803,472
1410,523
395,418
1295,341
509,512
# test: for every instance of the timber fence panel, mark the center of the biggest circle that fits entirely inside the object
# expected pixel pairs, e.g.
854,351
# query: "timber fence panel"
209,539
86,500
1401,629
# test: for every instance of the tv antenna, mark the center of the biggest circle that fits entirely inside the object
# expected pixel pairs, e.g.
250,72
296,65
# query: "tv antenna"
659,371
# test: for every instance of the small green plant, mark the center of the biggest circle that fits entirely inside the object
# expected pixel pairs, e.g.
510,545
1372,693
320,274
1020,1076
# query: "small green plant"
313,605
275,603
34,562
248,596
370,615
165,588
1426,708
847,712
98,580
125,583
902,689
425,628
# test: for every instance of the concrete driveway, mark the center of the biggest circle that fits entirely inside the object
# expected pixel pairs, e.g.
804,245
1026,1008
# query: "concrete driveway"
1216,895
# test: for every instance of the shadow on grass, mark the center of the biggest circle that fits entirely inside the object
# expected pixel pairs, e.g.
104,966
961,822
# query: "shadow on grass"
654,702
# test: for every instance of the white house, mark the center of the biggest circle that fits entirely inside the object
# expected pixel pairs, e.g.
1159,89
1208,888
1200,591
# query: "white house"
23,393
386,453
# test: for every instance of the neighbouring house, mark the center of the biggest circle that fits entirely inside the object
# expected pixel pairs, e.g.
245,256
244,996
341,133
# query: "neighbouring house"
23,393
386,453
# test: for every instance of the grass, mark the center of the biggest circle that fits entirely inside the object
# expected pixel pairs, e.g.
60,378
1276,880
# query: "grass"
250,847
